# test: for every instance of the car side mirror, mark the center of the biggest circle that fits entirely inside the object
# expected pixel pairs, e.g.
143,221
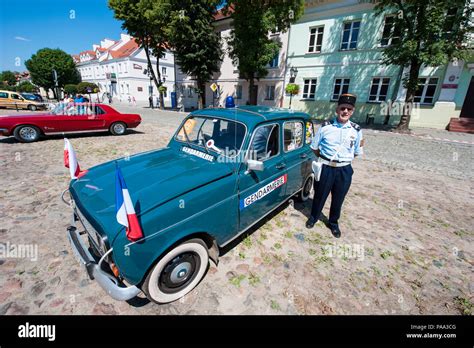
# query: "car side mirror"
255,165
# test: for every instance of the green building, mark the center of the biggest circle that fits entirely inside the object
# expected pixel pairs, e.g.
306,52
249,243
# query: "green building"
336,47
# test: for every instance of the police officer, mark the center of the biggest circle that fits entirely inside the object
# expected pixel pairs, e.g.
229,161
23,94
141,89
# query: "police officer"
336,144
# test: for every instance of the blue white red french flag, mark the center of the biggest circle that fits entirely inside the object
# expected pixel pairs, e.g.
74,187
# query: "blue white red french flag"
125,212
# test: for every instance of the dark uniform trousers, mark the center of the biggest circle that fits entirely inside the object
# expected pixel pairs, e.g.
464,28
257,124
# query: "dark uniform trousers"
336,180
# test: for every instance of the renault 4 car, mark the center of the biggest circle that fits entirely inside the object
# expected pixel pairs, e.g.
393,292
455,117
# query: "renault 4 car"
222,172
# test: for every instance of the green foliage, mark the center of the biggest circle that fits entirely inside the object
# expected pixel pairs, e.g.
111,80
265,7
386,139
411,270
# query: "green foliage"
162,89
249,43
26,87
82,87
430,33
70,89
292,89
193,38
42,63
8,78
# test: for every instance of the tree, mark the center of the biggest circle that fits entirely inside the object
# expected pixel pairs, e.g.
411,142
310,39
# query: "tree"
87,87
249,42
425,32
70,89
26,87
196,44
8,78
41,66
146,20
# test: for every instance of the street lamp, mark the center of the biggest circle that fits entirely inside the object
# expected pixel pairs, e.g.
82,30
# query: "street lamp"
293,73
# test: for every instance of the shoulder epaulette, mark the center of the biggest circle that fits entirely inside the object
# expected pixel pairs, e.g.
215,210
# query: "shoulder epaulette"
355,126
325,123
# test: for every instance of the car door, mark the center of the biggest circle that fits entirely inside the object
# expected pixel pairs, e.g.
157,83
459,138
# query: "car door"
78,118
294,154
18,101
262,191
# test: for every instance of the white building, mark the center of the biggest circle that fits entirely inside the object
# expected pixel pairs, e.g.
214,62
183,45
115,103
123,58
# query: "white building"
118,67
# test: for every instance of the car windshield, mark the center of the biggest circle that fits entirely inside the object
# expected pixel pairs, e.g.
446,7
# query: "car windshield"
222,136
73,109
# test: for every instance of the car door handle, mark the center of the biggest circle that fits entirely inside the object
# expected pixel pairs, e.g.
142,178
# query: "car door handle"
280,165
304,155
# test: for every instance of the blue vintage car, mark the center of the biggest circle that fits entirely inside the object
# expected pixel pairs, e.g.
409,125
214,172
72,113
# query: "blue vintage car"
222,172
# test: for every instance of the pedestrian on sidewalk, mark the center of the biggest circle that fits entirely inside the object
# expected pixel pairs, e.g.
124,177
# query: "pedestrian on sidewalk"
150,101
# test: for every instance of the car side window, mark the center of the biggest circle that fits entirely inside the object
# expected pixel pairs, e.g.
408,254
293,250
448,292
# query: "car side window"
293,135
15,96
265,142
310,132
3,95
98,110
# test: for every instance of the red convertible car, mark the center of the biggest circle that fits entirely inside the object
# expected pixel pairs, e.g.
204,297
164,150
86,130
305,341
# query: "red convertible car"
68,118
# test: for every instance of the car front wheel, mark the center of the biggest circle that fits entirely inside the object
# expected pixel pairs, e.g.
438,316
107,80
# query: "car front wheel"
307,188
178,272
32,107
118,128
26,134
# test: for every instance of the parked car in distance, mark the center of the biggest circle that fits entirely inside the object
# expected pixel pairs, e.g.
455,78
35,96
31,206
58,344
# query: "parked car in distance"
222,172
14,100
32,97
68,118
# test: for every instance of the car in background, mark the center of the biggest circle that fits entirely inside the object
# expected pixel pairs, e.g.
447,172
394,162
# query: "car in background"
229,168
14,100
68,118
32,97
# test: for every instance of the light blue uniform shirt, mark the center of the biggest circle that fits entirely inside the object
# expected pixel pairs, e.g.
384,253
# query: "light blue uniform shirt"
333,137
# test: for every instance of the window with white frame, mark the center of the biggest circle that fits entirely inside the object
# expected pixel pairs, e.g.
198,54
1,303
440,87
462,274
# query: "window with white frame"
426,90
350,35
274,62
269,92
315,39
341,86
238,92
190,91
163,71
390,33
379,89
309,89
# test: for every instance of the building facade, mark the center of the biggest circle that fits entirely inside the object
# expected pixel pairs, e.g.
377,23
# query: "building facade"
336,48
120,68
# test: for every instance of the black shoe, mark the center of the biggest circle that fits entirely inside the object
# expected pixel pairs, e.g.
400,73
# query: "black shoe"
336,232
310,223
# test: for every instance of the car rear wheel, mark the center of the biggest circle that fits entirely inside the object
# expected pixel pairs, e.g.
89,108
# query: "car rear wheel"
118,128
26,134
32,107
303,195
178,272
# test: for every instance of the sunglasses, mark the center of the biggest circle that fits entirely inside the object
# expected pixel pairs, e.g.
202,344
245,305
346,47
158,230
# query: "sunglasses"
344,109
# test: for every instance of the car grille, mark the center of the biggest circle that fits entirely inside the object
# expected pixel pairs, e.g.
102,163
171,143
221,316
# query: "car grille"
95,237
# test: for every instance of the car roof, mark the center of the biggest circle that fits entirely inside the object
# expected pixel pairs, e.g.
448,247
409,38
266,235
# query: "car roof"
252,114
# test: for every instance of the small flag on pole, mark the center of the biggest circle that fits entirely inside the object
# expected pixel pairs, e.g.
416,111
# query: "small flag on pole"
125,211
70,161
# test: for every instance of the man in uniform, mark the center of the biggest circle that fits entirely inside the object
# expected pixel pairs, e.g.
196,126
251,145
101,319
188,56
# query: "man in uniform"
336,143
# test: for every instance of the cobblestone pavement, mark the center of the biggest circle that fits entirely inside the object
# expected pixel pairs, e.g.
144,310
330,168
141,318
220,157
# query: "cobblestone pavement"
406,247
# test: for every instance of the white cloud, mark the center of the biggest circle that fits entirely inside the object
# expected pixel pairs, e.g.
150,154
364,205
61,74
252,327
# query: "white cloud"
21,38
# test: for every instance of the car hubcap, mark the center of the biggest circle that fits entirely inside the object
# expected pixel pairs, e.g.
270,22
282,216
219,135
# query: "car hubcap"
179,272
119,128
28,133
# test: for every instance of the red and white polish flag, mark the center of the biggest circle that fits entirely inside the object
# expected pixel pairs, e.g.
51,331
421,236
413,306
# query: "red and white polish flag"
126,215
70,161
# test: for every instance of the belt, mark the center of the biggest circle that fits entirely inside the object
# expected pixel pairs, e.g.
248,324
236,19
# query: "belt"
334,163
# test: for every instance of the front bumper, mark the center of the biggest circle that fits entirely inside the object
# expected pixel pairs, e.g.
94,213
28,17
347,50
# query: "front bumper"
107,281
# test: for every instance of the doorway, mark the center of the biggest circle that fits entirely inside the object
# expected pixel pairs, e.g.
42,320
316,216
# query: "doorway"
468,106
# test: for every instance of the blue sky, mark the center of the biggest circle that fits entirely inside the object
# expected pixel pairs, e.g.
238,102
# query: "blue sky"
28,25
